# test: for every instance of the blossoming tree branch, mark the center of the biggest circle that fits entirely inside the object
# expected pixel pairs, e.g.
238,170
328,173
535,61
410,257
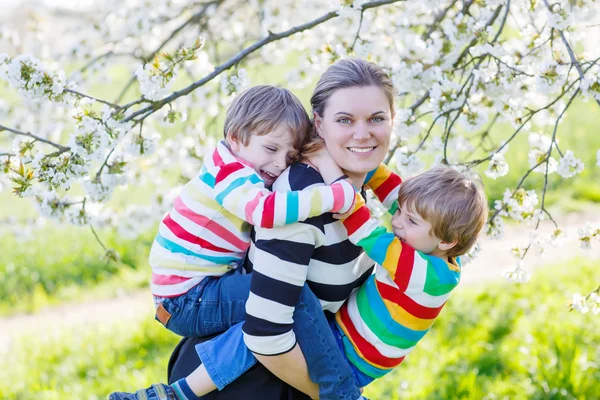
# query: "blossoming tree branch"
472,79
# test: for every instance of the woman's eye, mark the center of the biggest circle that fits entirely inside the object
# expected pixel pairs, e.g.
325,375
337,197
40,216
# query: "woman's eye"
344,120
377,119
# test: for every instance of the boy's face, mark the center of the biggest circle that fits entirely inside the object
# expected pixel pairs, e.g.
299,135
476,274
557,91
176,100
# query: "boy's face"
414,230
268,154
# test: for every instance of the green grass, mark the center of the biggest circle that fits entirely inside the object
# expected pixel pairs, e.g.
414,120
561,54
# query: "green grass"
65,264
497,341
506,341
87,364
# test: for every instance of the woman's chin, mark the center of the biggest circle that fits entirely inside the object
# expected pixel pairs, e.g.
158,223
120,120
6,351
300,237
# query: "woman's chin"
363,165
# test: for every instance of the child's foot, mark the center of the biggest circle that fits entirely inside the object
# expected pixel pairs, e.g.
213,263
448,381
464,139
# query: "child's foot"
155,392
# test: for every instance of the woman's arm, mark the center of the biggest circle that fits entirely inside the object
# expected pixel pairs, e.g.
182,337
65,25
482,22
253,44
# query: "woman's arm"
280,259
291,368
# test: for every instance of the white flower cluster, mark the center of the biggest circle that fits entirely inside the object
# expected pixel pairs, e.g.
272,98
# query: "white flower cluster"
408,164
234,82
141,145
444,96
586,234
569,166
519,205
517,274
154,85
405,126
598,158
61,171
30,77
495,228
585,305
498,166
471,254
540,145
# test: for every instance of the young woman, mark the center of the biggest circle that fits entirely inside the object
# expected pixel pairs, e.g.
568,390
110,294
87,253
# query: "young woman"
304,267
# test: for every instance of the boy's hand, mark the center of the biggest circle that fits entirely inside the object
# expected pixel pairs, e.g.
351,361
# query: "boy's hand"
328,168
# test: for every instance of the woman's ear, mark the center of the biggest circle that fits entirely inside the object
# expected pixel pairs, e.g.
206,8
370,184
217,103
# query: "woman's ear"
318,124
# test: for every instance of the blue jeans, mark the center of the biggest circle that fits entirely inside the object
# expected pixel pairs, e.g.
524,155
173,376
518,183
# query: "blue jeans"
327,367
360,378
212,306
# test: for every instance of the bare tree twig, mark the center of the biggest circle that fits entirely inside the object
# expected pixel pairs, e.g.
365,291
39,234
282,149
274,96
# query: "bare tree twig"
39,139
103,165
193,19
112,105
272,37
98,238
362,14
549,153
570,51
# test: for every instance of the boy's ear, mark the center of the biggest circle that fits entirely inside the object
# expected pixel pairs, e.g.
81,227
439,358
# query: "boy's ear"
318,124
234,143
445,246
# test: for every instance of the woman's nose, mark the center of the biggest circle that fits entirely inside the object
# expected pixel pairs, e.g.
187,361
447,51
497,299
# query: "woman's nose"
361,131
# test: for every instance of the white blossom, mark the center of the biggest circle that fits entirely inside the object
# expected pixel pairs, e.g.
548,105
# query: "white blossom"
558,238
594,303
495,228
516,275
31,78
598,158
407,164
586,234
497,167
578,303
569,166
519,206
153,85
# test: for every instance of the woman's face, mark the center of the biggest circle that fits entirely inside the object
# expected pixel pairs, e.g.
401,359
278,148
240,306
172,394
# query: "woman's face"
356,126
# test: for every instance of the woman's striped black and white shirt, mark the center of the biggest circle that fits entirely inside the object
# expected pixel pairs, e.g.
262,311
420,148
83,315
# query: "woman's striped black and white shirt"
316,251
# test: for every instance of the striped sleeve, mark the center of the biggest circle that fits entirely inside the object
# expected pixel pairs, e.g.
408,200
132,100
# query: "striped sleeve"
385,184
241,191
381,246
280,259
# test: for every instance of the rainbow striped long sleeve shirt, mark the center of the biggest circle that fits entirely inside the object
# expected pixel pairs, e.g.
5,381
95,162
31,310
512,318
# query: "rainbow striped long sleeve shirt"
207,232
395,307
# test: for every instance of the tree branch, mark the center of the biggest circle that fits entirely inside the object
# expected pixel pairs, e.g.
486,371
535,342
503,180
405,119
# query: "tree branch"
272,37
570,50
112,105
39,139
549,153
438,18
193,19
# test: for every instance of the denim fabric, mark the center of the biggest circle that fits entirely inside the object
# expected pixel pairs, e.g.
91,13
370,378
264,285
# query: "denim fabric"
360,378
327,366
212,306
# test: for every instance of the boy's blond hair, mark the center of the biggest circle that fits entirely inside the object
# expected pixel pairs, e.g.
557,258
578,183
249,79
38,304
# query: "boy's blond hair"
261,109
455,206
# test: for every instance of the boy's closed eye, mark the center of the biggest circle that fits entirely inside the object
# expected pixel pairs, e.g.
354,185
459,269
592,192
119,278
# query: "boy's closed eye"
270,148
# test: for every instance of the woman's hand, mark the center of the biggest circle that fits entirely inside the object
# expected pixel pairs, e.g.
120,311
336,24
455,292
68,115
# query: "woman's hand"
322,161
